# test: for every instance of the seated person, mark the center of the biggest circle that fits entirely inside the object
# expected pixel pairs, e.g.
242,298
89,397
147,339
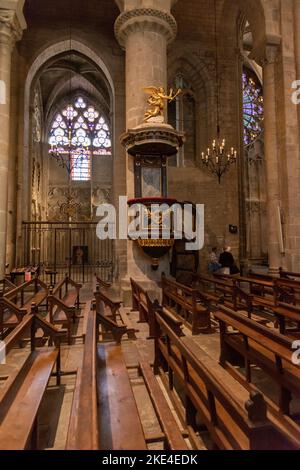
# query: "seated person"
227,262
214,264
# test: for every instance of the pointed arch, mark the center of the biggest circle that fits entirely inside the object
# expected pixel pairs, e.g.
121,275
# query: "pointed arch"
50,53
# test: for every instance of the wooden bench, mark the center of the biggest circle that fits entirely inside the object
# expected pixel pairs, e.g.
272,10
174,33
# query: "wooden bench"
288,274
236,298
287,291
10,316
109,325
34,291
185,303
264,277
63,304
286,312
109,306
217,289
234,418
119,421
139,300
110,300
262,291
142,303
83,432
70,297
252,343
102,283
6,285
15,302
173,436
23,391
171,319
104,414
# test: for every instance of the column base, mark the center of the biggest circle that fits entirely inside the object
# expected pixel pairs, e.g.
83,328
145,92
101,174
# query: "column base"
273,271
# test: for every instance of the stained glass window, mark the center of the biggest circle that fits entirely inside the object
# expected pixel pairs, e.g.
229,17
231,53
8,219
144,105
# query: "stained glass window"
253,111
80,131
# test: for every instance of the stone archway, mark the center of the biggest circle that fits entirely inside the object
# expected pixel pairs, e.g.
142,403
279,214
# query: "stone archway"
50,53
196,72
262,17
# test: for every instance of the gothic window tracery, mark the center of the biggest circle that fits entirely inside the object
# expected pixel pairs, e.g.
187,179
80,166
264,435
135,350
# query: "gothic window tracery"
81,131
253,111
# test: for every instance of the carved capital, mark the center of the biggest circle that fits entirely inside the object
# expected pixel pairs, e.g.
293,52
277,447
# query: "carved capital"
271,54
145,19
267,54
10,29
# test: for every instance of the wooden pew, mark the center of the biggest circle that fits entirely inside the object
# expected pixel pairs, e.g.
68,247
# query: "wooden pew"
23,391
106,302
173,436
120,425
15,302
34,291
218,289
115,423
234,418
264,277
286,312
6,285
108,323
253,343
142,303
104,284
83,432
184,302
234,297
262,291
10,316
109,299
288,274
287,291
69,297
139,300
63,304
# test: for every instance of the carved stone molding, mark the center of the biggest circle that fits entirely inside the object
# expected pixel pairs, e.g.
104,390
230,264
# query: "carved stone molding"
10,29
271,54
141,19
152,140
268,53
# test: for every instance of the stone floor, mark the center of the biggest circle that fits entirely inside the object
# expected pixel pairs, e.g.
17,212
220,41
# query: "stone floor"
56,406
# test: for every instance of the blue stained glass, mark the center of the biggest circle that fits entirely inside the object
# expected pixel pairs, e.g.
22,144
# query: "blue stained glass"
253,113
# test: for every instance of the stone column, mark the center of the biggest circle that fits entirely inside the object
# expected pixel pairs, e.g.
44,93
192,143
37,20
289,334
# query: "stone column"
10,32
271,156
145,38
144,33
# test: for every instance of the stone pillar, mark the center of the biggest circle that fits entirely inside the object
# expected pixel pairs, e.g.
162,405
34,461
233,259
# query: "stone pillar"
271,156
10,32
144,33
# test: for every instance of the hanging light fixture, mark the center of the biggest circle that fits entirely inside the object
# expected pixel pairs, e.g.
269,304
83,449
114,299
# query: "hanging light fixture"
69,152
218,158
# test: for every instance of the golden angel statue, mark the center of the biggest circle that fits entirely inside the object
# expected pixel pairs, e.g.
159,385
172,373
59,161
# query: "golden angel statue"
157,100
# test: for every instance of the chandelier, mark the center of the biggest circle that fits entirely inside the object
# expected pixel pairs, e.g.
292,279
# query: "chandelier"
70,154
218,158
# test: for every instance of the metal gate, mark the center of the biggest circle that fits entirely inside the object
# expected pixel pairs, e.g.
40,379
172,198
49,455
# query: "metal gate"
67,247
